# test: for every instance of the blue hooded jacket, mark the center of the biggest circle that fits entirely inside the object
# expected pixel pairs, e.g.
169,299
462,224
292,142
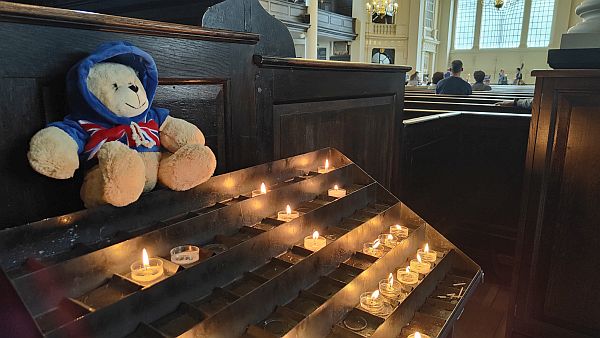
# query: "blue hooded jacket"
85,107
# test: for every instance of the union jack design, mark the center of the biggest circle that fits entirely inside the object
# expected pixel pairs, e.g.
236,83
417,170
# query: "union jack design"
134,135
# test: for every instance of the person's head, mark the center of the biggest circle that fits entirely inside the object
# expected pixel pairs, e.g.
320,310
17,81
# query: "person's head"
437,77
518,69
479,76
501,71
457,67
414,76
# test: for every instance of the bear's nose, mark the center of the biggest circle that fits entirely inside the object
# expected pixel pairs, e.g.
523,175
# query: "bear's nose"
134,88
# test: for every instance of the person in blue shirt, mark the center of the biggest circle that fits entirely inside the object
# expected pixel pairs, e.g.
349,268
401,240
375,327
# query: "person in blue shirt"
454,85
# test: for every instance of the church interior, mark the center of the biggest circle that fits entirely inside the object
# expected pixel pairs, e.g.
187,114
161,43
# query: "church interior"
300,168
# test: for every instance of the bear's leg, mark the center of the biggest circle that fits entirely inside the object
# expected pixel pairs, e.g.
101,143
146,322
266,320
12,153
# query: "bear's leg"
151,160
122,174
188,167
91,192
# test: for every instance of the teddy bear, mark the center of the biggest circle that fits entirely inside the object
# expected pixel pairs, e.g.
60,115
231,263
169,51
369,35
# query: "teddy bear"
125,144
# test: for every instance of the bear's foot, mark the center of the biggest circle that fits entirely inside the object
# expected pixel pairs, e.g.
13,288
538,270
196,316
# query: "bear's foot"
122,174
188,167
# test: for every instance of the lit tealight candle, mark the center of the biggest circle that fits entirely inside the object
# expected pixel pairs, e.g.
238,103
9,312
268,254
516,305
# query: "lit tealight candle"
373,248
418,335
390,287
261,191
417,265
399,231
388,240
371,302
288,214
325,169
428,255
408,278
314,242
148,269
336,192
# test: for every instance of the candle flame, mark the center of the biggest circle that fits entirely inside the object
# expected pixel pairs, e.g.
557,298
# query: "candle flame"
335,187
263,188
407,269
419,258
145,259
391,279
375,294
315,235
426,247
288,209
390,237
376,244
326,164
417,335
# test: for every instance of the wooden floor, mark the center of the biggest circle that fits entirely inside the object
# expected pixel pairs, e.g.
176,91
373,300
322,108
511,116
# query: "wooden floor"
486,313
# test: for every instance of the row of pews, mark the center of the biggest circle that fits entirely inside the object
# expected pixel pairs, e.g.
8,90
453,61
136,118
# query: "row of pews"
462,169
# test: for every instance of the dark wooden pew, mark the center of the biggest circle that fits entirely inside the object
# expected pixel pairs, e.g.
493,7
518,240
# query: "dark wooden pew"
207,76
462,106
460,99
462,170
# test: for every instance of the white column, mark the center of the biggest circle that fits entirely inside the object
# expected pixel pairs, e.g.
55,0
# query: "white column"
312,32
357,47
586,33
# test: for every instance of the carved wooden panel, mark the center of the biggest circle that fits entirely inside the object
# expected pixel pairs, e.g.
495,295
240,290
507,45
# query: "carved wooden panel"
200,102
568,276
40,45
558,273
361,128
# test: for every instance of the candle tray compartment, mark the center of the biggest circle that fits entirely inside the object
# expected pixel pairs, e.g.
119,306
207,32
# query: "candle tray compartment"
254,277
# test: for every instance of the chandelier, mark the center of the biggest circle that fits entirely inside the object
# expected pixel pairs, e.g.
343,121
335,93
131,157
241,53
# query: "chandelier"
499,4
382,7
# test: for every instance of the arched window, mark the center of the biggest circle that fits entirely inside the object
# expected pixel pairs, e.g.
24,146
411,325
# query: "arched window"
540,23
501,28
466,11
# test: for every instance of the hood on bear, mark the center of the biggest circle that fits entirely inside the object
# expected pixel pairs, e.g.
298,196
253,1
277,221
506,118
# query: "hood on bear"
83,105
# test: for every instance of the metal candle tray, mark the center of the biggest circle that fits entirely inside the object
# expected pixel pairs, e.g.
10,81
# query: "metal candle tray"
254,278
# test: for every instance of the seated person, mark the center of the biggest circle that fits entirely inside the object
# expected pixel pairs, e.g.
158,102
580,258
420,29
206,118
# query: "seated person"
437,77
414,80
479,76
454,85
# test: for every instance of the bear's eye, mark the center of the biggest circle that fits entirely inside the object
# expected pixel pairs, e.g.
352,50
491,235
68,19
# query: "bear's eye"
115,86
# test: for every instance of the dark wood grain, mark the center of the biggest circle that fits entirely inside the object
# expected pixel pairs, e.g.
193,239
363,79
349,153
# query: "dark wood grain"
469,166
362,128
278,62
35,55
320,103
79,19
558,231
200,103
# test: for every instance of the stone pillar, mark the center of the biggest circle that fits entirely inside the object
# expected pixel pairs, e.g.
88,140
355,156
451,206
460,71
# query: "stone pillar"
358,45
585,34
312,32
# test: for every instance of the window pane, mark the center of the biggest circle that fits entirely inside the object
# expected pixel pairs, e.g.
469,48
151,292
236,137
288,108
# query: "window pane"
501,28
465,24
429,13
540,23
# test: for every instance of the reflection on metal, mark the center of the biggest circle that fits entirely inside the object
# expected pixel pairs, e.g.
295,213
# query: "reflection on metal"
253,275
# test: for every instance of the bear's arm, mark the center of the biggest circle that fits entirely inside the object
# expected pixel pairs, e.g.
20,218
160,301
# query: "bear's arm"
176,133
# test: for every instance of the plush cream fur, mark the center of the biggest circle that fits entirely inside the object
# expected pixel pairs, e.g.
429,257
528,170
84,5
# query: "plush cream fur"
122,174
118,88
53,153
